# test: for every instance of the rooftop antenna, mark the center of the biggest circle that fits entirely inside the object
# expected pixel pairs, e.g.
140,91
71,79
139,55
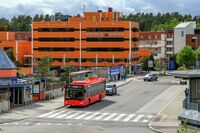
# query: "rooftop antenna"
84,6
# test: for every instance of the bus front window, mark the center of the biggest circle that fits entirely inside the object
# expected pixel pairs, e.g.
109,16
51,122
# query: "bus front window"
74,94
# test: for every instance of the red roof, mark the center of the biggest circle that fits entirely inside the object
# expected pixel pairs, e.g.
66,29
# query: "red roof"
89,81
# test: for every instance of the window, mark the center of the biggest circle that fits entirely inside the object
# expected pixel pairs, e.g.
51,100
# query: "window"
56,29
135,29
105,39
135,39
182,33
104,29
56,49
56,39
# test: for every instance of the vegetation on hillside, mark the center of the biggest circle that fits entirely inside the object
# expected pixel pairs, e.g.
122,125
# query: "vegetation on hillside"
147,21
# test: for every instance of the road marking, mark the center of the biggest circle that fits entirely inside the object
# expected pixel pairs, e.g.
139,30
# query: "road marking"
59,124
79,124
5,123
110,116
56,114
101,116
16,123
69,124
83,115
27,123
150,116
129,117
93,115
73,115
63,115
138,118
44,115
119,117
37,124
145,121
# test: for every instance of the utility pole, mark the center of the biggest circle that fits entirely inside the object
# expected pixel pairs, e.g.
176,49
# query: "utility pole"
196,41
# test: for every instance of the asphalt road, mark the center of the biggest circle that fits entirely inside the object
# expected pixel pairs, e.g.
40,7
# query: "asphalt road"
114,114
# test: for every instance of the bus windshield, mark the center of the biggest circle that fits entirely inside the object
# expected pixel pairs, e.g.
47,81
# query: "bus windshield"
74,94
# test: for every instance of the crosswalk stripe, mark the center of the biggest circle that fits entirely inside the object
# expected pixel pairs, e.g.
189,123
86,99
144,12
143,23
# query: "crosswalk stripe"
129,117
145,121
63,115
73,115
101,116
56,114
119,117
150,116
110,116
44,115
138,118
91,116
83,115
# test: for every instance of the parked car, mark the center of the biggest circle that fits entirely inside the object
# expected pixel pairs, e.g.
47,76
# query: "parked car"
150,77
183,81
111,89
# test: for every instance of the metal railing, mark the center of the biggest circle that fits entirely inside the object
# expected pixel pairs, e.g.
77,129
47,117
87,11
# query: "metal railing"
190,106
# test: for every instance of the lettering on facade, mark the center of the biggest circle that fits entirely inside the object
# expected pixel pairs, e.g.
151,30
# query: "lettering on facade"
104,34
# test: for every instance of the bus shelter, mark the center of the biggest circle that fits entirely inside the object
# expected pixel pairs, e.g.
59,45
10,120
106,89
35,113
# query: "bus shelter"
80,75
191,103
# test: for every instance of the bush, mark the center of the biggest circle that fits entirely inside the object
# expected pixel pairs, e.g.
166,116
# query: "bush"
183,67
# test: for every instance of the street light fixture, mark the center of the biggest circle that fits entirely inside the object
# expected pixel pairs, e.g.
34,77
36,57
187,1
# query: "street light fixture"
196,40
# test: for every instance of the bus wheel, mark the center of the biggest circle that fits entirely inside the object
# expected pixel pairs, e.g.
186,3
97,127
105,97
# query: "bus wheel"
99,97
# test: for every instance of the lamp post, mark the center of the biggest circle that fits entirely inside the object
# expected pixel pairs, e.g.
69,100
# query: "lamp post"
196,40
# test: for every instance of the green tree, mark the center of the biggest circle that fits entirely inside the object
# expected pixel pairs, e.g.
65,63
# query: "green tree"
186,56
10,54
64,76
44,65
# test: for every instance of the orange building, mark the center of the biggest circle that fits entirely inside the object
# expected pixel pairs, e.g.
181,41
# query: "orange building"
20,42
96,39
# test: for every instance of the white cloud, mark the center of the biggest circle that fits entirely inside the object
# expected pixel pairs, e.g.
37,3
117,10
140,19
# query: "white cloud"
9,8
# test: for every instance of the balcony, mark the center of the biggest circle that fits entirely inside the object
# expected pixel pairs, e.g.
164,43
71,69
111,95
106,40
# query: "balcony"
170,52
170,46
170,39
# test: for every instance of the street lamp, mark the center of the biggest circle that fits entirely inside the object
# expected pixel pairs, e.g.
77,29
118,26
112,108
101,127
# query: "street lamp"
196,40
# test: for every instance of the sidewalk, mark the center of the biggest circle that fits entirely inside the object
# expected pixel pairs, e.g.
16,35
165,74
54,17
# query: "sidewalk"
167,120
37,108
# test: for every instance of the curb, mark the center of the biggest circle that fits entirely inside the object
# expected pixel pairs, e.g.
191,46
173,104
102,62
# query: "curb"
125,83
155,130
14,120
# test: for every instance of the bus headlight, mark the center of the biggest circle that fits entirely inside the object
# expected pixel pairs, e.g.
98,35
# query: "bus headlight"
81,102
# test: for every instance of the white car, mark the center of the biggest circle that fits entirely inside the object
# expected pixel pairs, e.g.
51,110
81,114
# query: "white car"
111,89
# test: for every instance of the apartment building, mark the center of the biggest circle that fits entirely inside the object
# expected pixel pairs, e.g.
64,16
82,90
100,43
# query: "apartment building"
159,43
98,39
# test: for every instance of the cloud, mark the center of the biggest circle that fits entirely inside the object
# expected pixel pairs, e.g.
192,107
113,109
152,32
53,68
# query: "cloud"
9,8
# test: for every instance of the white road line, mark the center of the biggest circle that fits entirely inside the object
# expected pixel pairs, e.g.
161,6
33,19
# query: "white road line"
38,124
69,124
44,115
5,123
138,118
27,123
150,116
73,115
110,116
101,116
145,121
63,115
79,124
16,123
59,124
129,117
91,116
119,117
56,114
83,115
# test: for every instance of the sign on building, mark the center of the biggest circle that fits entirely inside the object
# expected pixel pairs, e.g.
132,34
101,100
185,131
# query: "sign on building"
150,64
114,71
36,89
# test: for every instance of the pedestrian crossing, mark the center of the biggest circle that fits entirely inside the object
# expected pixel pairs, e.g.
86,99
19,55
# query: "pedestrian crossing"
97,116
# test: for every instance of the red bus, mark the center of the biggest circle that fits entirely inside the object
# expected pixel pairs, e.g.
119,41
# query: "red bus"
82,93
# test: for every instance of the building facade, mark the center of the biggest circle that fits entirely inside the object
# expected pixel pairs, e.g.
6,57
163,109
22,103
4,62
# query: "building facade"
180,33
98,39
159,43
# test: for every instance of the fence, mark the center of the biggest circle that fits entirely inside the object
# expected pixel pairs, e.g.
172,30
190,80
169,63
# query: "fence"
4,106
54,93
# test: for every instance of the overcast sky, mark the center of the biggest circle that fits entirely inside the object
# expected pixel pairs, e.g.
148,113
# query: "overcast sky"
9,8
